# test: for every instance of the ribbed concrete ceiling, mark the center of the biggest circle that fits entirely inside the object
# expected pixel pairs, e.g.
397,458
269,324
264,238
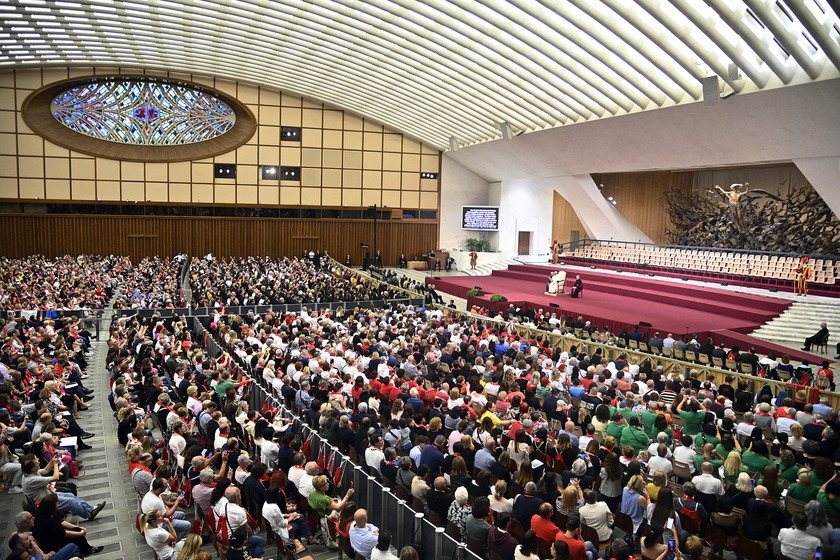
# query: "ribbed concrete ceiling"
447,72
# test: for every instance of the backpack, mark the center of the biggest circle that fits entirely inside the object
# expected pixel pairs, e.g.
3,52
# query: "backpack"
686,512
223,529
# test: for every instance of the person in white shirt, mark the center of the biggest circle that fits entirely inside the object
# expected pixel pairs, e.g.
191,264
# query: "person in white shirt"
706,482
783,423
653,449
382,550
237,517
685,453
160,535
242,472
583,441
311,471
177,443
374,454
152,500
660,461
297,471
796,544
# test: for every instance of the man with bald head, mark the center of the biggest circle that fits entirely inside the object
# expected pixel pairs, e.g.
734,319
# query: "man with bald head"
237,517
777,517
439,499
706,482
363,535
311,471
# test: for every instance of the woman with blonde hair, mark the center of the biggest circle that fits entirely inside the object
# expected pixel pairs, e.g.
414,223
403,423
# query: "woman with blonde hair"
498,502
524,475
660,481
732,467
570,501
634,500
796,437
192,546
160,535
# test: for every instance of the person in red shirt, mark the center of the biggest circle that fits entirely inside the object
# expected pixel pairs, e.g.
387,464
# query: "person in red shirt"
543,525
577,546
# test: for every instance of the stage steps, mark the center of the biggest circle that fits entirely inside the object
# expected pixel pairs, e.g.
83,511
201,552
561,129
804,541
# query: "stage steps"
487,270
801,320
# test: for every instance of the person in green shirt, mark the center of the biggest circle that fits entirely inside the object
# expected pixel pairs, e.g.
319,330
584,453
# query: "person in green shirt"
755,457
660,425
710,456
320,502
223,384
649,417
787,467
627,411
708,435
829,497
634,436
802,489
693,417
727,445
616,427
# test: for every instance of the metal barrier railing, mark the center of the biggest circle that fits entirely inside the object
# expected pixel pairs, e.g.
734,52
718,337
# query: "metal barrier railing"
385,510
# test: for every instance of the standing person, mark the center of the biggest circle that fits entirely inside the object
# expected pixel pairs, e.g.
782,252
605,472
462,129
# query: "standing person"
473,258
803,274
818,338
577,287
348,262
378,259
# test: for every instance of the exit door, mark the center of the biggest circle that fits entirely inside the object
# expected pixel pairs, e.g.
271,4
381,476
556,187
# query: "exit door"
524,242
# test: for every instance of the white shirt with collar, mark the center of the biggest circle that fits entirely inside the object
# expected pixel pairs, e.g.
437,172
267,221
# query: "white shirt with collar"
708,484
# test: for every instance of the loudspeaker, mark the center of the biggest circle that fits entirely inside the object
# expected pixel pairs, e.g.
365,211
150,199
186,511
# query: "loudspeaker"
367,254
553,305
477,287
724,283
774,290
618,270
711,90
651,274
370,213
593,268
367,262
644,324
684,278
437,277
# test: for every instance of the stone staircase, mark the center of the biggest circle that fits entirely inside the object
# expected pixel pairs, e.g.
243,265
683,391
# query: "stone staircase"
801,320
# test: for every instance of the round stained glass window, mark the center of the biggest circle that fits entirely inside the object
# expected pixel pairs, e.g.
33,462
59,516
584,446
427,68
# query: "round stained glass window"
139,118
147,113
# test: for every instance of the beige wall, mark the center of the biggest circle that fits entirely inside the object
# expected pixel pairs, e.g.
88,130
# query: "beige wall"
344,159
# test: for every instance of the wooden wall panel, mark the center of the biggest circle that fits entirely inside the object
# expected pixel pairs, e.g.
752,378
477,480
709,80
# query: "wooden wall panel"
641,197
143,236
564,220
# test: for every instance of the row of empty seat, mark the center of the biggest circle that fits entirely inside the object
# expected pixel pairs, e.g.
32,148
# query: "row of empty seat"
824,271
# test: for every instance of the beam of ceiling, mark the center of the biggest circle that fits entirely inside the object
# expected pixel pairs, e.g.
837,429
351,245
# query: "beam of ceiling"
436,69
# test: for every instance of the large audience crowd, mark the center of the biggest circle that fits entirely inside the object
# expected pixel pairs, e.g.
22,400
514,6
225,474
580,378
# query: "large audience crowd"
264,281
63,283
154,283
519,448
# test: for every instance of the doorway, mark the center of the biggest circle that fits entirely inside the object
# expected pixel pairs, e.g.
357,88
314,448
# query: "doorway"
524,243
574,237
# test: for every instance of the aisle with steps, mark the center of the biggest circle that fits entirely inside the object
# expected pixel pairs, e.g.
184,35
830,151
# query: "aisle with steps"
801,320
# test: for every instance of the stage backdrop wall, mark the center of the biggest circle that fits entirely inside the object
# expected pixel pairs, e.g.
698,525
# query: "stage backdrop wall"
143,236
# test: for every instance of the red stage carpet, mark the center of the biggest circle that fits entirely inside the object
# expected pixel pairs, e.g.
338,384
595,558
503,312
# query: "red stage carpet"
618,302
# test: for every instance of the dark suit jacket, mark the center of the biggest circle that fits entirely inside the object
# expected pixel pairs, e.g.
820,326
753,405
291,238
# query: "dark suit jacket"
439,502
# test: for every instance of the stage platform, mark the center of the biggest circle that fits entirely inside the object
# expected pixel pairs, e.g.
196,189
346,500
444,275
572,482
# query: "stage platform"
623,301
